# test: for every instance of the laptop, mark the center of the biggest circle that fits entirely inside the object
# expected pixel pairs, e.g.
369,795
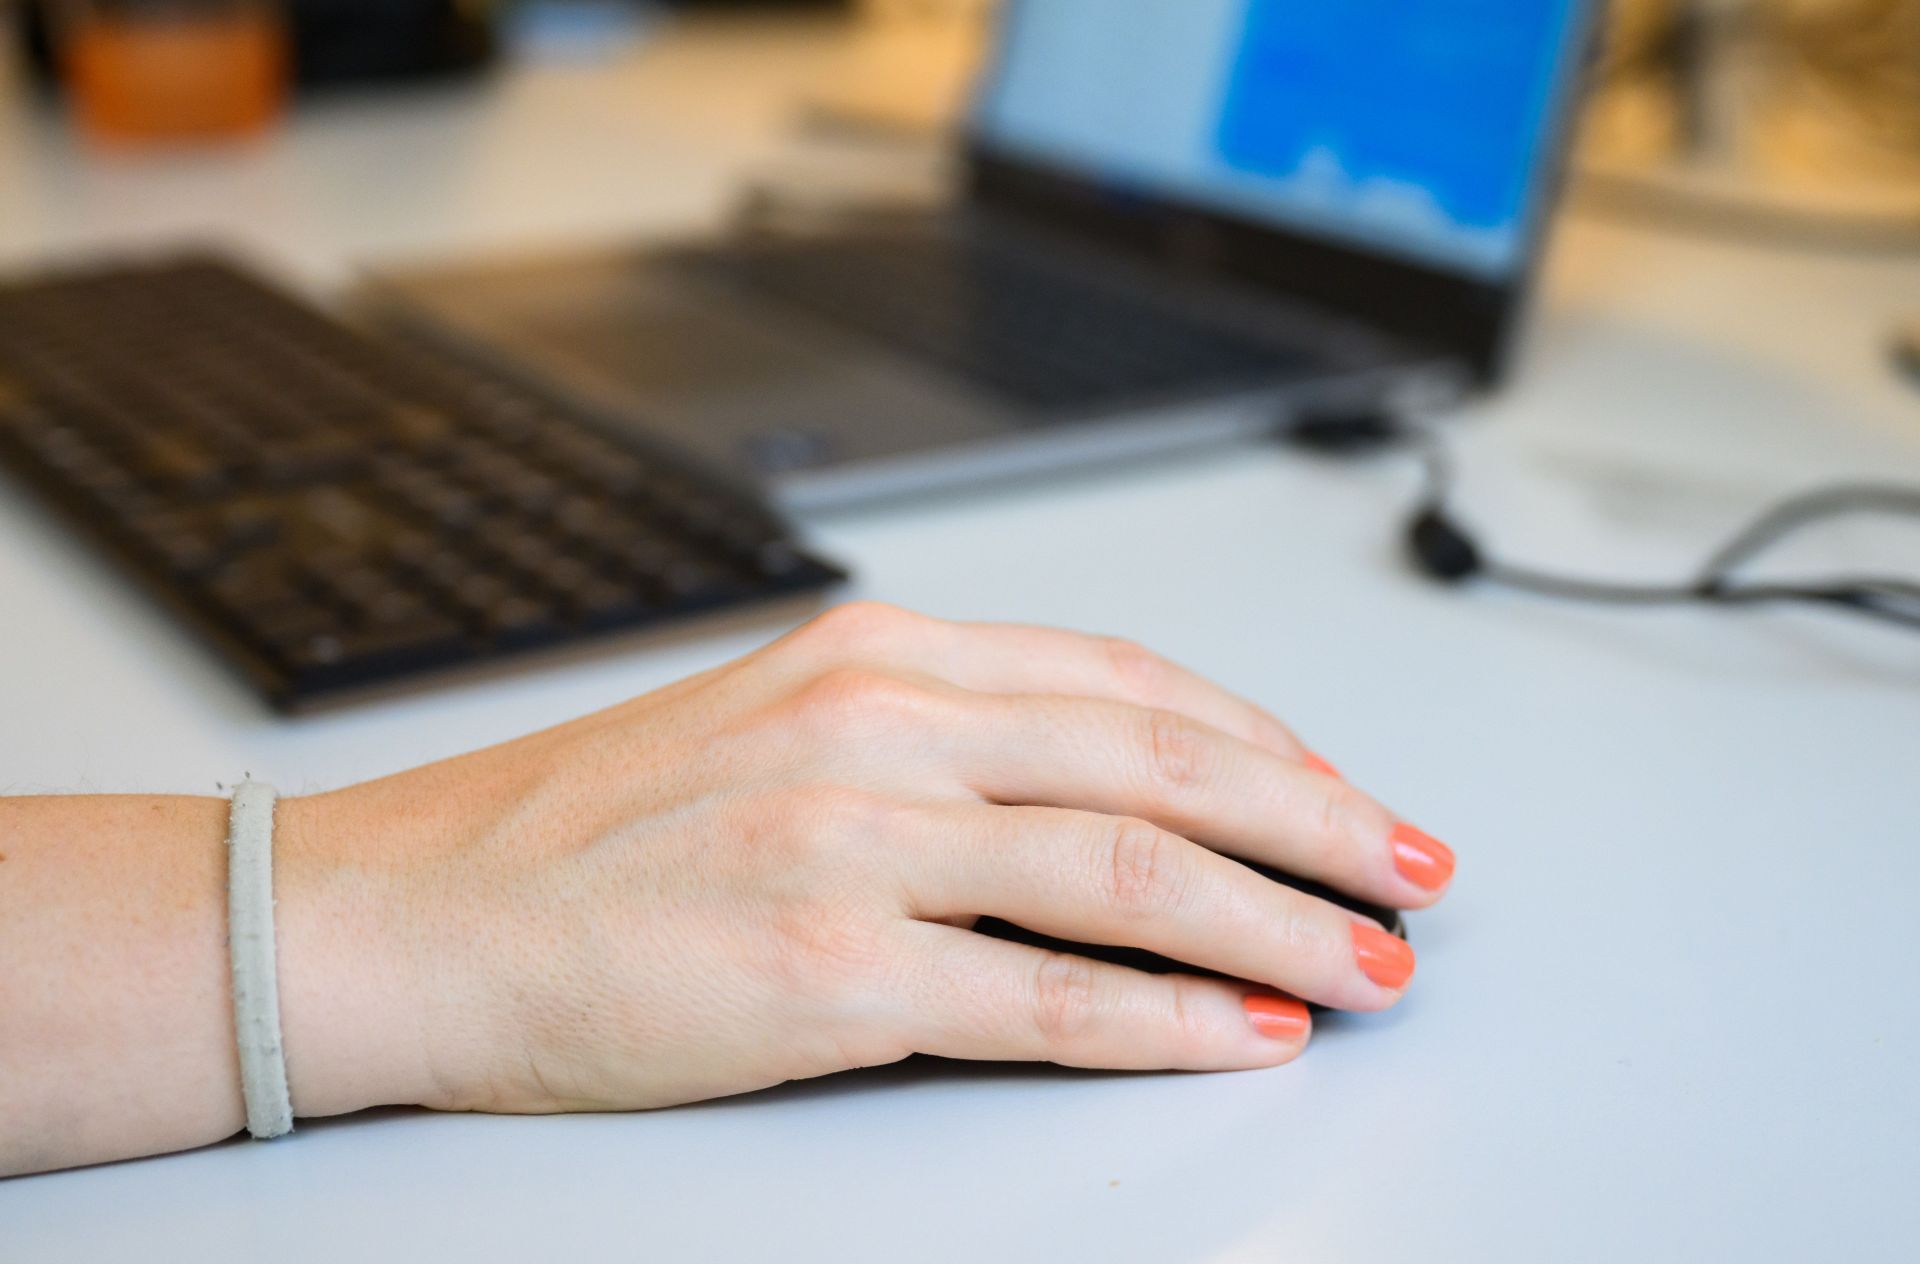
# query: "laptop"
1180,222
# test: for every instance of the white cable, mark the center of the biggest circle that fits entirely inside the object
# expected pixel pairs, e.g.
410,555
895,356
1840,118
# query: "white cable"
256,983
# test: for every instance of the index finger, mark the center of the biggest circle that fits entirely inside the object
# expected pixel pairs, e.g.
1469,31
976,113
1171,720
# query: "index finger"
1005,658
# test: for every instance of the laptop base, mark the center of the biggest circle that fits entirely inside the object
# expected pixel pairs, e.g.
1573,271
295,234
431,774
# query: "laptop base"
903,354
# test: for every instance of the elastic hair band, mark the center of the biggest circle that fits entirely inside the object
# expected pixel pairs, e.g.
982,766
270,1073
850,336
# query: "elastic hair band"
256,983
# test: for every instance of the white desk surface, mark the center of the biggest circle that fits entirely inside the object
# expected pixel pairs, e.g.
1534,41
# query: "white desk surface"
1668,1013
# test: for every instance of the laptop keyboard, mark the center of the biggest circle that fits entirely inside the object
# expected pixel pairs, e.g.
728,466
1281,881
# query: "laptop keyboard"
338,511
1001,318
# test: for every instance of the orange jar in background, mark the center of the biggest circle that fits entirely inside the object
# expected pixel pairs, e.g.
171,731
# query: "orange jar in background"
173,69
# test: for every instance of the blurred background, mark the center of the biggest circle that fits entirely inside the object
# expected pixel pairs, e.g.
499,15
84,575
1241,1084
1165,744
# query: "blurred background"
1802,114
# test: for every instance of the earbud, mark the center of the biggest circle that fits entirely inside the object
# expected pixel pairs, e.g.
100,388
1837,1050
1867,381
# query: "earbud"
1440,549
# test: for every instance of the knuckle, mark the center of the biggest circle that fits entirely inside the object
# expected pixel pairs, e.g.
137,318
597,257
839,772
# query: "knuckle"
1138,671
1270,731
1063,998
869,1049
1300,936
828,826
1142,873
817,888
1341,823
854,696
1175,752
822,946
830,816
1324,819
859,625
1187,1018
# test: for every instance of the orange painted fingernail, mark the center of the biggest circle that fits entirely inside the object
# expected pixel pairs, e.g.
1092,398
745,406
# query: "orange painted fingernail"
1320,765
1384,958
1421,858
1278,1017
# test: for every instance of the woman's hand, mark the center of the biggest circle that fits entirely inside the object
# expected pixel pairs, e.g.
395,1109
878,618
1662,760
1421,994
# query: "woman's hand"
769,872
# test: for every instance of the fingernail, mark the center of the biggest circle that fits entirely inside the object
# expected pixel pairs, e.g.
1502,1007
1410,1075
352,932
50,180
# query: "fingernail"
1278,1017
1421,858
1320,765
1384,958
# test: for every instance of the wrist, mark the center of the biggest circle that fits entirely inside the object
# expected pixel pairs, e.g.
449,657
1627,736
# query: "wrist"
352,986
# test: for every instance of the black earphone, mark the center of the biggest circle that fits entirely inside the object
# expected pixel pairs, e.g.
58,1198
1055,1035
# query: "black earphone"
1444,550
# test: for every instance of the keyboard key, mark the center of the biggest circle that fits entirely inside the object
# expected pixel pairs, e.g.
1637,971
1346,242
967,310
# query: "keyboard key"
520,622
602,603
342,658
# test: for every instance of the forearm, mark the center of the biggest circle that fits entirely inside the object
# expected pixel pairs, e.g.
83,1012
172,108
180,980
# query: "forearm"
117,1036
116,1011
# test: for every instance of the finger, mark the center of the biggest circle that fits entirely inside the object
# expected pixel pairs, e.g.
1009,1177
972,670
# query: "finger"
1009,658
988,1000
1005,658
1099,879
1202,784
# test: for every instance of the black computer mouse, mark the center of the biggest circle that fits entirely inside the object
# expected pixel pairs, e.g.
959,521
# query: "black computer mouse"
1154,963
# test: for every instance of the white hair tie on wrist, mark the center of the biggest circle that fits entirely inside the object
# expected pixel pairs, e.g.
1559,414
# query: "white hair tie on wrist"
256,984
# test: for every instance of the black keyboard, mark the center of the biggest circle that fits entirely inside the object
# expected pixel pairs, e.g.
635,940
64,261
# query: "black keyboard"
1003,317
339,510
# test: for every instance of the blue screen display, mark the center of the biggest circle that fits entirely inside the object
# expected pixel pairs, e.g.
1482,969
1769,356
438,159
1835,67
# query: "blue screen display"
1414,127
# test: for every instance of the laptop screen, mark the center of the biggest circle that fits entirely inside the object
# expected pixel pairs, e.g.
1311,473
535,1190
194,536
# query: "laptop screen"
1415,128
